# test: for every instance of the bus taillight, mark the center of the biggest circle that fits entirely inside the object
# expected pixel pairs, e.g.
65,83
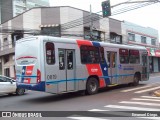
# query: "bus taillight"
38,76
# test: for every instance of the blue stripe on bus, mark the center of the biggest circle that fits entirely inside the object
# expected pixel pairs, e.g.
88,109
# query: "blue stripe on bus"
96,44
23,72
38,87
104,66
26,76
74,80
58,81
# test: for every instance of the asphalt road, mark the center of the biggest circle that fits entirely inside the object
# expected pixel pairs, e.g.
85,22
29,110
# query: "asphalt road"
119,98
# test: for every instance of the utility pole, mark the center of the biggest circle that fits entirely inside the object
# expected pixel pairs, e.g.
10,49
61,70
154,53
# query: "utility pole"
91,23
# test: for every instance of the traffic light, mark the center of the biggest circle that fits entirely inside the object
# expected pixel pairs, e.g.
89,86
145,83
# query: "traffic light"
106,8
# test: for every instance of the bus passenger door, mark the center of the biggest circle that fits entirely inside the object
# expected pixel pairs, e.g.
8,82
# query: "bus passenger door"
67,70
112,66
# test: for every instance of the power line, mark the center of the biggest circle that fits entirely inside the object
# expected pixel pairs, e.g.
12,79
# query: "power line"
79,22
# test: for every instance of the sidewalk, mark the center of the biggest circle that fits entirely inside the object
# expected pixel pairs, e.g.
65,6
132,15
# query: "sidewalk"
157,92
154,74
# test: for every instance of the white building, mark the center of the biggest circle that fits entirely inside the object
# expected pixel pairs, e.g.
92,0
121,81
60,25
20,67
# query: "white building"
144,36
12,8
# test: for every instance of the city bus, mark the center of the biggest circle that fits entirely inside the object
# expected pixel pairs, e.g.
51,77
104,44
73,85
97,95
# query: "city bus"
61,65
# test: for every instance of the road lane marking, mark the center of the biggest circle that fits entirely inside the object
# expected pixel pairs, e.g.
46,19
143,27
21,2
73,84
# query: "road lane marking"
132,89
140,103
145,99
87,118
146,90
132,108
137,88
98,110
150,97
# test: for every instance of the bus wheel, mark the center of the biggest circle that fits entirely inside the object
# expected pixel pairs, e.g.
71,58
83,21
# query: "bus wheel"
136,80
92,86
20,91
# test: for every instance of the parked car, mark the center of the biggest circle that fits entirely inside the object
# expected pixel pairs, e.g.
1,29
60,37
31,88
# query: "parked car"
9,86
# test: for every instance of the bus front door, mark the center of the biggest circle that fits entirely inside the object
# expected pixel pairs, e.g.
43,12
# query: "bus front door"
66,70
112,66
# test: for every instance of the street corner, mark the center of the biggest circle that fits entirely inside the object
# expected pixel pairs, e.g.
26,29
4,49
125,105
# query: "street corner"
156,93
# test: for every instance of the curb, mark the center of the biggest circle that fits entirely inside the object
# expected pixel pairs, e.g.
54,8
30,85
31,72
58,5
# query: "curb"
157,93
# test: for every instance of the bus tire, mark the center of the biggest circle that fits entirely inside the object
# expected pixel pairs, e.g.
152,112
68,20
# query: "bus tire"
92,86
136,80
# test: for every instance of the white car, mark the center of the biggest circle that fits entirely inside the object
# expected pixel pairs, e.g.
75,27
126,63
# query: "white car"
9,86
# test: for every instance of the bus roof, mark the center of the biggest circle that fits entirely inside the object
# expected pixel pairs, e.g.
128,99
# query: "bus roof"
73,41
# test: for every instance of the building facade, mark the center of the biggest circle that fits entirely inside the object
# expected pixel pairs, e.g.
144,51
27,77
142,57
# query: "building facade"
143,36
115,29
56,21
71,23
12,8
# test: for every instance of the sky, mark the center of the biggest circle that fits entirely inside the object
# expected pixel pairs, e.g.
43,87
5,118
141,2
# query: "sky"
148,16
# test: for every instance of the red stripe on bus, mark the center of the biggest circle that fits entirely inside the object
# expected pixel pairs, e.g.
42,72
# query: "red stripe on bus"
84,42
29,70
95,69
26,57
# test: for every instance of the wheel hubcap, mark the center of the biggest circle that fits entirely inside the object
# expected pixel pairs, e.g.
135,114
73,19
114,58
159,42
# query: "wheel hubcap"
93,86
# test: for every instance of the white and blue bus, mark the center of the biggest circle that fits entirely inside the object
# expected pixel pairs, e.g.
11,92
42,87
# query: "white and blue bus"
61,65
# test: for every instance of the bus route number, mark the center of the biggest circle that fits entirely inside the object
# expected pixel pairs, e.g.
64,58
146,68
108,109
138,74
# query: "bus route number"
51,77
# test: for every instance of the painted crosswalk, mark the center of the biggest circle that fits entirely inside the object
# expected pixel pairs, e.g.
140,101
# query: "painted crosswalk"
145,104
143,89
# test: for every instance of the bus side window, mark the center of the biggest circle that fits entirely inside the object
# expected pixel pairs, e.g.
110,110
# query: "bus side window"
123,56
50,53
102,58
61,59
108,58
134,56
89,54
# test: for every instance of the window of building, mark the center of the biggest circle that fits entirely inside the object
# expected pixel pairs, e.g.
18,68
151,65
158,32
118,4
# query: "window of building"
50,53
5,39
6,59
95,35
134,56
153,41
89,54
115,38
53,31
123,56
131,36
143,39
7,72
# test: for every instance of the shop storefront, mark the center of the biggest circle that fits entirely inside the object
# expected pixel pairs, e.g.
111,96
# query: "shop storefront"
154,60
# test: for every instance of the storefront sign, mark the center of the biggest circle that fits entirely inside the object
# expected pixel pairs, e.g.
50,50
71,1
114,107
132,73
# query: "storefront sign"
157,53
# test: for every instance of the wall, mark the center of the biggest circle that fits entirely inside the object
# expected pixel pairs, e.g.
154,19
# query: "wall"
68,14
139,31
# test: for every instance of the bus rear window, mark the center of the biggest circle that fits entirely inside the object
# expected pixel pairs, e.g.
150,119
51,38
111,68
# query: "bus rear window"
50,53
123,56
